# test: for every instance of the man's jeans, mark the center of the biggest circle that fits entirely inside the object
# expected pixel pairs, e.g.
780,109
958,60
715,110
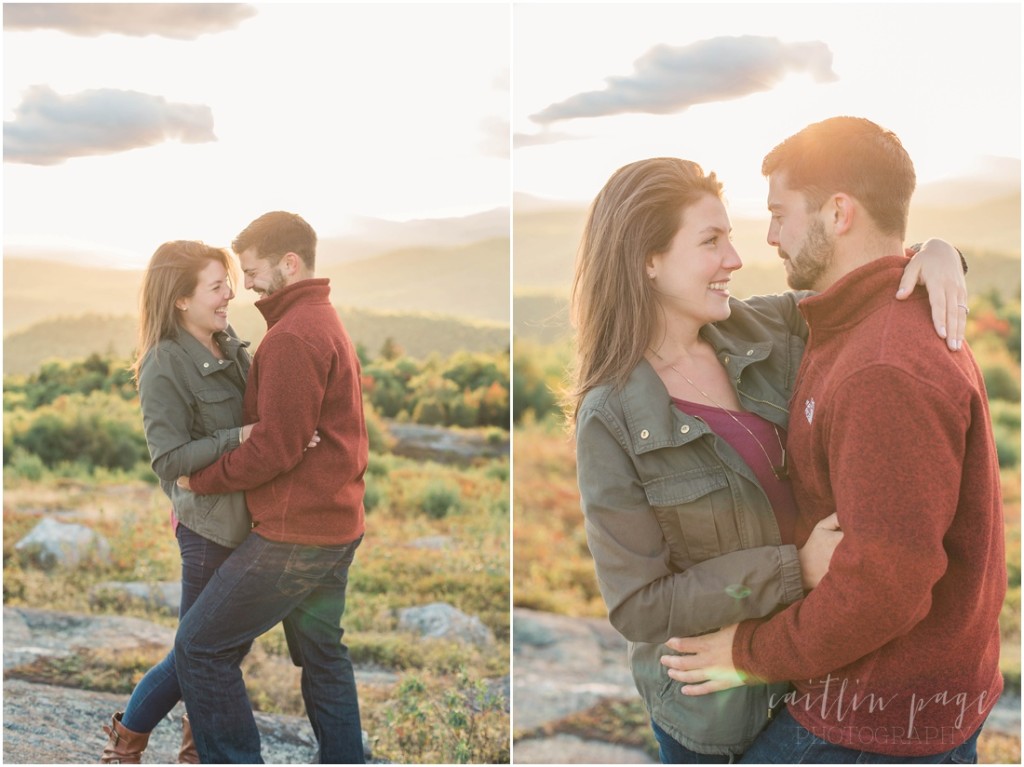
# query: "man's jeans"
262,583
786,741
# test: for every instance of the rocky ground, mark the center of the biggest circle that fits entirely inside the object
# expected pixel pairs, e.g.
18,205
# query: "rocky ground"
47,724
564,666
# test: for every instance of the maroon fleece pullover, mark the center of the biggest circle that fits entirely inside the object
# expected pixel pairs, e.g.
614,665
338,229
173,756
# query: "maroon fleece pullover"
304,378
897,649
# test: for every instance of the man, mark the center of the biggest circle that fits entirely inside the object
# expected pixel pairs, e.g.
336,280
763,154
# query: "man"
306,507
895,654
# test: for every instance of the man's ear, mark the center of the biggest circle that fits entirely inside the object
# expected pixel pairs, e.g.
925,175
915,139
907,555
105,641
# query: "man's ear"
292,261
842,212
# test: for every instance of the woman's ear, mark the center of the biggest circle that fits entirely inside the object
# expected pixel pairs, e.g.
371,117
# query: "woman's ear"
649,268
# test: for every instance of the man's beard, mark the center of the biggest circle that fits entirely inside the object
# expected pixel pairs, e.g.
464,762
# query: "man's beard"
276,283
814,259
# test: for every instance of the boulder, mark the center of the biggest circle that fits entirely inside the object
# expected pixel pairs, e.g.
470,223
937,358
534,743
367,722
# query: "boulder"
164,596
442,621
53,544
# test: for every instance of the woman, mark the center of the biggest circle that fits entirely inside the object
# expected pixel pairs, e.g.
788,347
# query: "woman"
191,371
681,404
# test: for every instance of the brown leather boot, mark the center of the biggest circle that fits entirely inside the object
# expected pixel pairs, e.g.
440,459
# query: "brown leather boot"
124,746
188,753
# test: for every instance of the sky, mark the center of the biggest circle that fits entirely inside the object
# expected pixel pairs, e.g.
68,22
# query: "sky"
132,124
597,86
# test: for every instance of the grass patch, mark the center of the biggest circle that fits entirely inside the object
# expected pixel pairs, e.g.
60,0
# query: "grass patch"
101,670
440,720
411,721
621,722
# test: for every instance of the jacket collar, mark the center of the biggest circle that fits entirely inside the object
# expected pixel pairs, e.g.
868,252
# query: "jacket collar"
651,418
311,291
853,296
202,358
734,353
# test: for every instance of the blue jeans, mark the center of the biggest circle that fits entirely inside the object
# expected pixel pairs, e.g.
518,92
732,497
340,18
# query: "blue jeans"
671,751
261,584
786,741
158,692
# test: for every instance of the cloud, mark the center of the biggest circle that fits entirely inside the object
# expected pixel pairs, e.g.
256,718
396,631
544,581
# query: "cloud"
521,140
181,21
48,128
668,79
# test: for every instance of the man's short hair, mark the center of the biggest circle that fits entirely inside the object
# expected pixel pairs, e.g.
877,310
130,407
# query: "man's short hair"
854,156
276,233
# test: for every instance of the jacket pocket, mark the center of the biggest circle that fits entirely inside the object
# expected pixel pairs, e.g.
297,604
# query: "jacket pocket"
697,513
218,409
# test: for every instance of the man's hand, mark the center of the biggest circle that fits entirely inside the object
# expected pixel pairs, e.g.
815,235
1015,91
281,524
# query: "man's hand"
247,430
937,266
707,665
183,484
816,554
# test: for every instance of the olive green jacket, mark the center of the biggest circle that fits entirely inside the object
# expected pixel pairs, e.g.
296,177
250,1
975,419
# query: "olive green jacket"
192,413
683,537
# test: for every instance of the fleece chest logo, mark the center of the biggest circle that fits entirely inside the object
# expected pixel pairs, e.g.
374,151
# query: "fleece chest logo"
809,410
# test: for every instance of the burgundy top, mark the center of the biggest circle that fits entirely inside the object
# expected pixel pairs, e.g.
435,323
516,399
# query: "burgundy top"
890,430
304,378
779,491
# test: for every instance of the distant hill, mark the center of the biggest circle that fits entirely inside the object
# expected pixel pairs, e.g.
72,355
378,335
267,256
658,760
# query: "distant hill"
464,280
419,335
374,236
543,315
468,281
987,226
37,289
546,240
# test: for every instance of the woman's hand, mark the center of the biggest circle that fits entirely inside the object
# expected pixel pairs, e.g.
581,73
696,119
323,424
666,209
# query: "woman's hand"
938,267
816,553
183,484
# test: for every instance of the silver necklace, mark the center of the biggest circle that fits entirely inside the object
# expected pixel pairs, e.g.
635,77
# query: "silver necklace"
781,471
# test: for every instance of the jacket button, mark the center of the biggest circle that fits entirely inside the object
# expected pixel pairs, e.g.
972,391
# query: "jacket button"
644,434
685,428
750,352
206,364
725,359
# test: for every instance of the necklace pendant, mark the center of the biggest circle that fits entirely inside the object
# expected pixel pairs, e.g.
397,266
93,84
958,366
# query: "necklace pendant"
781,472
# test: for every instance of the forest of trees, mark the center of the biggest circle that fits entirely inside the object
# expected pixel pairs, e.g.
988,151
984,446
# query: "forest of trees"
77,417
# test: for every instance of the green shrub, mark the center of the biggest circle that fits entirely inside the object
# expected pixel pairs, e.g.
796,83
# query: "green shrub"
440,499
26,465
1007,446
95,430
1005,413
1000,382
372,496
381,440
